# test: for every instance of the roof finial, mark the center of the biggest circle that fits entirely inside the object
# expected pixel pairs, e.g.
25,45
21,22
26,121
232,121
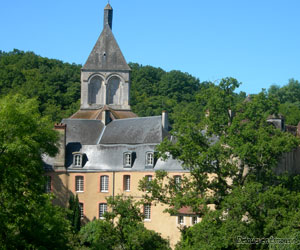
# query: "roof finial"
108,15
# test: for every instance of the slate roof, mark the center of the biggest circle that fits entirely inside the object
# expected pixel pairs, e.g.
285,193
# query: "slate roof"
110,158
85,132
133,131
106,54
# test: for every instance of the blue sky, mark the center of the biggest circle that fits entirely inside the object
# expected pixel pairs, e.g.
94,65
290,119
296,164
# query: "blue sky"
255,41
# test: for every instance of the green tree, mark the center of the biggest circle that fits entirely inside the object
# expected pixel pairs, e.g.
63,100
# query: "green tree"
231,147
99,234
121,229
74,215
250,212
28,219
290,112
289,98
154,90
56,85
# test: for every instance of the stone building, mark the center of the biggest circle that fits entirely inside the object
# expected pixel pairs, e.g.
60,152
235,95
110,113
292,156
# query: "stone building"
105,148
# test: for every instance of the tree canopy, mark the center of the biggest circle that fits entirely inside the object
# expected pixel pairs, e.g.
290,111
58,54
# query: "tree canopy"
28,219
55,84
231,153
289,98
121,229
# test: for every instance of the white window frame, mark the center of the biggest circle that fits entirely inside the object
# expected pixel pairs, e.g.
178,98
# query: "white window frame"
104,183
48,185
77,159
126,182
127,159
192,221
147,212
102,210
81,209
179,222
79,184
149,159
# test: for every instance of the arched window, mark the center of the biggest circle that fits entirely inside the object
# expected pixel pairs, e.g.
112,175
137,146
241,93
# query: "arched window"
94,90
113,90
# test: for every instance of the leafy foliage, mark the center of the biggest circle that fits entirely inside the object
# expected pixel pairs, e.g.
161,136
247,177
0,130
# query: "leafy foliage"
231,153
28,219
98,234
74,215
55,84
154,90
251,212
121,229
289,98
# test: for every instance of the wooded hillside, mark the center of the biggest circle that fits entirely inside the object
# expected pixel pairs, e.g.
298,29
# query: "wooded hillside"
56,85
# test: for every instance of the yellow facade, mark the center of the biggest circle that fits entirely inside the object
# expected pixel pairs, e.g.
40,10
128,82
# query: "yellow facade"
63,184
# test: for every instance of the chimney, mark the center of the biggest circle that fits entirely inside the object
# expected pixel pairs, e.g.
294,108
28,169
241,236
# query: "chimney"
108,16
59,160
105,116
278,122
164,120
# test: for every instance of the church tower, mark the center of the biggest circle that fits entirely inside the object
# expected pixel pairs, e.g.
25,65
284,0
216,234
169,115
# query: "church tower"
105,77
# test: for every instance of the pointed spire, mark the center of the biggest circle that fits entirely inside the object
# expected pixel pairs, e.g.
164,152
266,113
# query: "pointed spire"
106,54
108,16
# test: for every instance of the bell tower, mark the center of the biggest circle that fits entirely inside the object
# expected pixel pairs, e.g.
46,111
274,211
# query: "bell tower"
105,77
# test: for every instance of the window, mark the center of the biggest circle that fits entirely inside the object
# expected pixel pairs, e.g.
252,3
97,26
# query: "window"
102,210
104,183
148,179
127,159
79,184
94,89
147,211
194,220
48,184
177,181
126,182
149,159
77,159
180,220
81,209
113,90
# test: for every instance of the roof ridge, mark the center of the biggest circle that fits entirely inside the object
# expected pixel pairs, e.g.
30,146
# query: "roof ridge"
106,54
131,118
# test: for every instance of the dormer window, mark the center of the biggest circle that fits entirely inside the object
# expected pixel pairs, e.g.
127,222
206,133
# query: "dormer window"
149,159
127,159
77,159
